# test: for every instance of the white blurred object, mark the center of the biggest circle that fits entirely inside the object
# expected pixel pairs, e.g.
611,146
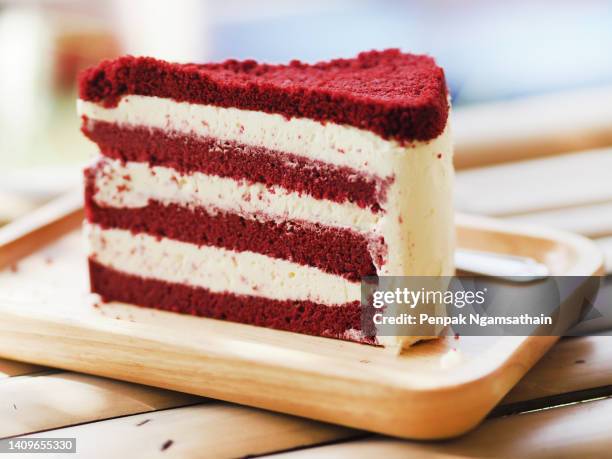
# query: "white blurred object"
43,44
606,246
40,182
14,206
171,30
237,11
24,90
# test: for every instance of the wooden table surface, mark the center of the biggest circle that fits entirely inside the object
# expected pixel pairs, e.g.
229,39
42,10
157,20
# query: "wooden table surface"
562,408
575,379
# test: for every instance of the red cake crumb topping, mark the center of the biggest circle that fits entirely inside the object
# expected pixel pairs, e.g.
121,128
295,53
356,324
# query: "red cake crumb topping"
396,95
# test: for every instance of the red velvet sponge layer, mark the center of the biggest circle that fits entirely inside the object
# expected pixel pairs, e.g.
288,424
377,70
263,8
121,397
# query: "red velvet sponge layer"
395,95
187,154
334,250
298,316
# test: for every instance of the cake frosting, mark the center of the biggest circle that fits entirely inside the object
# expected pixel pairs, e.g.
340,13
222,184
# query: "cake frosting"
392,94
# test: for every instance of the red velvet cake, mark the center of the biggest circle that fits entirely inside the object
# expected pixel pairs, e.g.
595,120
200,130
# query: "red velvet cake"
262,194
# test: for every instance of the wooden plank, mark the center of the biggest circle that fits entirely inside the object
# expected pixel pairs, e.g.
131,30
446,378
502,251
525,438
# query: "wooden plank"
580,430
10,368
568,192
533,126
215,430
302,375
521,188
42,226
574,364
592,220
34,403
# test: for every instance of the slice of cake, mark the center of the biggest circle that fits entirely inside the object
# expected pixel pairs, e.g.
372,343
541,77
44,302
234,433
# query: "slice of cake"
262,194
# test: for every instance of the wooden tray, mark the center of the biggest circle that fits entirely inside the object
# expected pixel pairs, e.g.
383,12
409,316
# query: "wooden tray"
47,317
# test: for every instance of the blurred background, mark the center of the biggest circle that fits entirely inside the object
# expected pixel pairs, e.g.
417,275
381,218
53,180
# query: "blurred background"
528,79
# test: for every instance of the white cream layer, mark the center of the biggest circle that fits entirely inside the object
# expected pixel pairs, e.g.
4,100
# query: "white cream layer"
336,144
417,224
216,269
133,184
